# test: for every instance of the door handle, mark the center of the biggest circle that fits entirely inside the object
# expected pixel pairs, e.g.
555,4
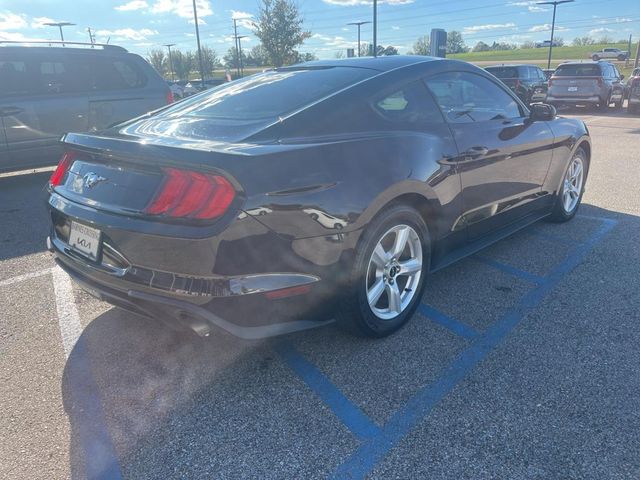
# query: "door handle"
7,111
475,152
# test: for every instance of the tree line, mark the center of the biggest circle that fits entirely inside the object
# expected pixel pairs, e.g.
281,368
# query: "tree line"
279,27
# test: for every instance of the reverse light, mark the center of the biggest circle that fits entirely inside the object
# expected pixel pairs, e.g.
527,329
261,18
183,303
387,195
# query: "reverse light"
187,194
62,168
169,97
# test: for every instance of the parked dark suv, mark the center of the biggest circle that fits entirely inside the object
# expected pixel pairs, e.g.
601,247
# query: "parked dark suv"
528,82
46,91
586,83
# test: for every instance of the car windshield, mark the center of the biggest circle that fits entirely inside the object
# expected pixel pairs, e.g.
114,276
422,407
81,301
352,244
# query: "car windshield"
503,72
578,71
269,94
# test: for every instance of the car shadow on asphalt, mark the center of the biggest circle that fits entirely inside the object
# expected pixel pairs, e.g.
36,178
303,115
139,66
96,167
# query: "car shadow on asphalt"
145,401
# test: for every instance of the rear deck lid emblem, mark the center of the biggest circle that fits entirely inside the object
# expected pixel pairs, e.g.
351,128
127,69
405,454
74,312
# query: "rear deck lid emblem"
91,179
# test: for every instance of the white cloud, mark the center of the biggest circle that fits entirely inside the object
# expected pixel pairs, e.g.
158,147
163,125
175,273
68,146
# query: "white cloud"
395,27
243,19
123,34
39,22
331,43
12,21
492,26
16,37
352,3
532,6
182,8
600,31
541,28
132,5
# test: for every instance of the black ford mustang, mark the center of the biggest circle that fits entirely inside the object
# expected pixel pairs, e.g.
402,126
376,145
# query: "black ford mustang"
326,189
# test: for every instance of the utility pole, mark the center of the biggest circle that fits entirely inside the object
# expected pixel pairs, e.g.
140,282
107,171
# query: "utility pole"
195,18
626,62
169,45
359,24
59,25
91,39
553,24
235,36
375,28
238,39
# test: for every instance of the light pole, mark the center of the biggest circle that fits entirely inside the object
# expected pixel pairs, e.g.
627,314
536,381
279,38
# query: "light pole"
195,18
59,25
235,36
553,24
375,28
238,39
169,45
358,24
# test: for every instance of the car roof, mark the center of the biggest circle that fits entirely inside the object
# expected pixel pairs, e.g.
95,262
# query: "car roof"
382,64
40,47
511,65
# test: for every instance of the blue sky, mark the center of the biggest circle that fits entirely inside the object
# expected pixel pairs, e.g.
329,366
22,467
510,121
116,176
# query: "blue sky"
141,25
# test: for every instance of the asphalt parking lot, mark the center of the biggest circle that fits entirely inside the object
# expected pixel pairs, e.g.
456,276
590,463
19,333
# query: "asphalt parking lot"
522,364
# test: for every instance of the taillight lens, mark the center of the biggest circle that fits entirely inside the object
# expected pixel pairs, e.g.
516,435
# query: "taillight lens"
517,86
550,82
600,82
62,169
187,194
169,97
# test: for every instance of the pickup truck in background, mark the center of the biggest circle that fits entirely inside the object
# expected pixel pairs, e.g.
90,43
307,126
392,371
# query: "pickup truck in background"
610,53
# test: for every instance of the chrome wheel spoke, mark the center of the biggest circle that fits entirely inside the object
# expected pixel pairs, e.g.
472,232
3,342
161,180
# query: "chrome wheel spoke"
573,185
402,235
409,267
379,256
375,292
393,293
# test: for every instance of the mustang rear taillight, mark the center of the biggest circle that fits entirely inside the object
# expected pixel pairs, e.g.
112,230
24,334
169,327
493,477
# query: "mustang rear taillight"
187,194
62,169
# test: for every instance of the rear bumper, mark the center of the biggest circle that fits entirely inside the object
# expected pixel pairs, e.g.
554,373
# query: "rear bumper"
249,316
573,100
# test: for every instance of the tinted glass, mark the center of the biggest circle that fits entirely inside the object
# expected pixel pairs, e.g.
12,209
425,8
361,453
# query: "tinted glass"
577,70
503,72
117,74
411,105
466,97
63,75
13,78
269,94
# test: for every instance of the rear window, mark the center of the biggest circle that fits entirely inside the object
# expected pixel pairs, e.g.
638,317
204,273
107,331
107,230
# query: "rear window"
578,71
503,72
117,74
270,94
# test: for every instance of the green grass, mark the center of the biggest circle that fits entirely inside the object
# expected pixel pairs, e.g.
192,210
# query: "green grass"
529,54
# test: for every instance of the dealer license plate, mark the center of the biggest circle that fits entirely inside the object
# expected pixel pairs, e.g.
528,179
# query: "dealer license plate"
85,240
572,89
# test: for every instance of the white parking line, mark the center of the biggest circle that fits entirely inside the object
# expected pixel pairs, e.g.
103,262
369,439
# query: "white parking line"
68,318
26,276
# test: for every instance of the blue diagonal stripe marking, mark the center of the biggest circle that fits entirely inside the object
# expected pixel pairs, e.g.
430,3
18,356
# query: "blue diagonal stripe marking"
441,319
354,419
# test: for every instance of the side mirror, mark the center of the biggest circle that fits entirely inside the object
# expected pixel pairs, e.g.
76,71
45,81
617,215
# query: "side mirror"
542,112
622,76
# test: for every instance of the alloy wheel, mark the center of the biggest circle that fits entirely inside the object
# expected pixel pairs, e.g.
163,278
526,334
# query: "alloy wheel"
572,189
394,272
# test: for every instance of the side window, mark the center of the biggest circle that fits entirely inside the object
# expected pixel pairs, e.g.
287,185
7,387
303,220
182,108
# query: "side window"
411,105
117,74
468,97
64,75
13,78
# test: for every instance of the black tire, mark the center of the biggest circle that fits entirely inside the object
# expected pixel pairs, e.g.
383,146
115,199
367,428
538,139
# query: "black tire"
603,106
618,105
595,58
621,58
354,313
558,213
631,109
